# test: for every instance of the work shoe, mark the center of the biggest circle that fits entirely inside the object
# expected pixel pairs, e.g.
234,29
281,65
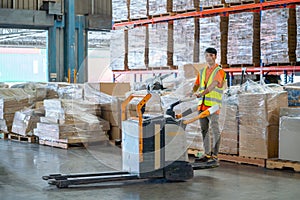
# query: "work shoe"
204,158
214,159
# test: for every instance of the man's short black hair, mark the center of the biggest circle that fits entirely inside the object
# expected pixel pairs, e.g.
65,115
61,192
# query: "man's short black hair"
211,50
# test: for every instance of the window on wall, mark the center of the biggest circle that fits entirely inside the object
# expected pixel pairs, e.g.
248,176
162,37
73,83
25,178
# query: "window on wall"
23,55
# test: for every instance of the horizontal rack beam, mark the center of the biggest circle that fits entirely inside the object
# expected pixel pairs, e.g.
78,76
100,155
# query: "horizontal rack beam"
229,70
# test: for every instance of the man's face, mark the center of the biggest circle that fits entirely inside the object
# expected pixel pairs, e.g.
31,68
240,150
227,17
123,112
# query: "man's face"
210,57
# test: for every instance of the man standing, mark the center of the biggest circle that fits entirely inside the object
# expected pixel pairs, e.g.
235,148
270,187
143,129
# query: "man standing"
208,88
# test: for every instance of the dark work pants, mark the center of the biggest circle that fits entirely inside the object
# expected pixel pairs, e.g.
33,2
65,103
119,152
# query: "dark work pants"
211,122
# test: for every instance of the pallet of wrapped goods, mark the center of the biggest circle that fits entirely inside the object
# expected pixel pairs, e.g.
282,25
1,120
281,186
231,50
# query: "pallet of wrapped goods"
136,48
183,5
259,135
138,9
119,10
184,30
229,129
240,33
274,36
11,101
157,7
298,33
210,35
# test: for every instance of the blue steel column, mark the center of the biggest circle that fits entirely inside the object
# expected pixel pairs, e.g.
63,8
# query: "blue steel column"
52,54
81,49
70,68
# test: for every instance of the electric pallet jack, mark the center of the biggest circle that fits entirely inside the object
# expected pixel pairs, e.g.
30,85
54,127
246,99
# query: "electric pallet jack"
153,147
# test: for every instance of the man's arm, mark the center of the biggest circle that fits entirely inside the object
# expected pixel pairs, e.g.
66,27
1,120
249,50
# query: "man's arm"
208,89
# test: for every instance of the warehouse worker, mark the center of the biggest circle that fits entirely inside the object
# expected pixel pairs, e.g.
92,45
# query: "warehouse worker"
208,88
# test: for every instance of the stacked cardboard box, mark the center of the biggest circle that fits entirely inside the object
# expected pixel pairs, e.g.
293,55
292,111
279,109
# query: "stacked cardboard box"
74,91
25,121
109,96
11,101
289,134
65,118
259,134
240,38
184,31
274,36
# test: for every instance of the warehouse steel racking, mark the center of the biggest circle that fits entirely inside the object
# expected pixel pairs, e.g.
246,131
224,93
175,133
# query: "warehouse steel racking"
288,70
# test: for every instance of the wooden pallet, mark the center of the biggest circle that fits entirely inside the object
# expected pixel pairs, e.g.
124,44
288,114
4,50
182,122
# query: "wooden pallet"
137,19
194,152
283,164
240,65
243,160
69,142
21,138
240,3
184,11
212,7
4,136
162,15
279,64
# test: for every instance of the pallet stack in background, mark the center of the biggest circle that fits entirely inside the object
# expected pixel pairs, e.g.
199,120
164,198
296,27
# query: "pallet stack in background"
298,33
240,39
274,36
246,39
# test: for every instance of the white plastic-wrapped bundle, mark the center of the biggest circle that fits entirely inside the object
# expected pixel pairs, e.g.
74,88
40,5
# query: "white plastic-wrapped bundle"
157,7
209,2
240,38
158,40
179,5
233,1
138,9
119,10
136,48
274,36
298,33
183,41
117,50
210,36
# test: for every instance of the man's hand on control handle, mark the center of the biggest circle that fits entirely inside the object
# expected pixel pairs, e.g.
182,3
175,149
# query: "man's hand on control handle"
198,95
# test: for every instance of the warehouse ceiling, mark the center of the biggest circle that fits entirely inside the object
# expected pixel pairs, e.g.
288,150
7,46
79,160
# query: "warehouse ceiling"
28,38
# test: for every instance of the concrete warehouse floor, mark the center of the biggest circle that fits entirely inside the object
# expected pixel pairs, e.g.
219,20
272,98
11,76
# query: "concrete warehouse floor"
22,165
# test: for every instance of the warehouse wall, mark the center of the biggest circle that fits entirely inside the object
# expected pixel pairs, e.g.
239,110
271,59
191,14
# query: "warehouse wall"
81,6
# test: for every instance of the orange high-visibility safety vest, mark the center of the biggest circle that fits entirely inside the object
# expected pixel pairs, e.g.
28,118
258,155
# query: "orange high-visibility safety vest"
215,96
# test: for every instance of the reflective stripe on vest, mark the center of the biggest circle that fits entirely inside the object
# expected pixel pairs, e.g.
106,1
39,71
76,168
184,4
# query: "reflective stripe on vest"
215,96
